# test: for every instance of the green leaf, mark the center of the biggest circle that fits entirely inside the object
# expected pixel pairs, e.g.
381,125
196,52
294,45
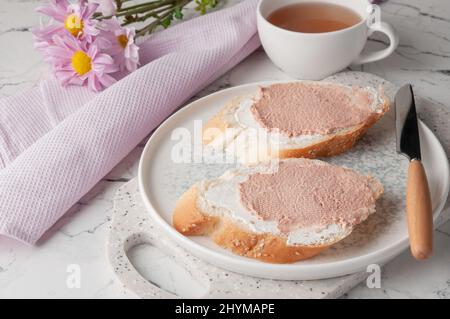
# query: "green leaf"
201,6
178,14
167,21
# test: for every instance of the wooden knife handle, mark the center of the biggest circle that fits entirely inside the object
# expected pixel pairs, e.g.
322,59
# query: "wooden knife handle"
419,212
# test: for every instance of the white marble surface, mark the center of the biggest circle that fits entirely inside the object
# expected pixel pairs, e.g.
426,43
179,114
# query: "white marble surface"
423,58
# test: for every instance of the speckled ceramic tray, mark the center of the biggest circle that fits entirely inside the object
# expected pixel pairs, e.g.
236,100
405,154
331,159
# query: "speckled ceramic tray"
377,240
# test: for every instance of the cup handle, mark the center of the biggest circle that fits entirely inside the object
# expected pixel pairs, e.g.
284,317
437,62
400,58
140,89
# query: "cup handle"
378,55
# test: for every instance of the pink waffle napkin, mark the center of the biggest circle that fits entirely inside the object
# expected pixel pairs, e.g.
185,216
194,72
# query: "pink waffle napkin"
56,143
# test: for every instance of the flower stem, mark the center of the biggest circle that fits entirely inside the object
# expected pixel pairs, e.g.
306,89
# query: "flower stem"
153,25
146,4
163,12
150,27
154,13
140,8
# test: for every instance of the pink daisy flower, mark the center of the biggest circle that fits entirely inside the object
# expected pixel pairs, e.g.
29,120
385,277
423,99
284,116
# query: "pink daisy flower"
121,44
73,18
80,62
43,37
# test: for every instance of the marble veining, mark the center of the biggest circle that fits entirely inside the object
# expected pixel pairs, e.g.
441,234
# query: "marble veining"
421,59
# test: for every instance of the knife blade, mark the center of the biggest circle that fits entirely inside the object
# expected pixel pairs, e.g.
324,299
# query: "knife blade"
418,200
408,142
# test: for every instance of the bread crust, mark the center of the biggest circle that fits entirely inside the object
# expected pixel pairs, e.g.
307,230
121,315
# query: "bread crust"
189,220
332,144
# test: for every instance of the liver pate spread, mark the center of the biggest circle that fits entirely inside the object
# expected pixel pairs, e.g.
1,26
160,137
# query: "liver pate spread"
307,108
303,194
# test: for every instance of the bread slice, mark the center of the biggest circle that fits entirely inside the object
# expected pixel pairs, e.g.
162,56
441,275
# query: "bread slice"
228,131
215,208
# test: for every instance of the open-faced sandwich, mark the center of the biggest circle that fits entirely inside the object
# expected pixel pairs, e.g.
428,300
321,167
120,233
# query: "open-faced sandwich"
279,211
301,119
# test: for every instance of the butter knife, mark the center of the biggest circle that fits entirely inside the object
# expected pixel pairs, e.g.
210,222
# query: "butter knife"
418,201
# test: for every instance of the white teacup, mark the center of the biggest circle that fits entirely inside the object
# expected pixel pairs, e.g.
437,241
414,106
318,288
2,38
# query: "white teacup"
315,56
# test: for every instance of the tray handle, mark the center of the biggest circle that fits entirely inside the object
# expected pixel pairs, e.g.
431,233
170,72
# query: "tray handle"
127,273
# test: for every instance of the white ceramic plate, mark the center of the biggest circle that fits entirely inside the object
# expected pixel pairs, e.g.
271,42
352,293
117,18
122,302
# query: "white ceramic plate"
379,239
